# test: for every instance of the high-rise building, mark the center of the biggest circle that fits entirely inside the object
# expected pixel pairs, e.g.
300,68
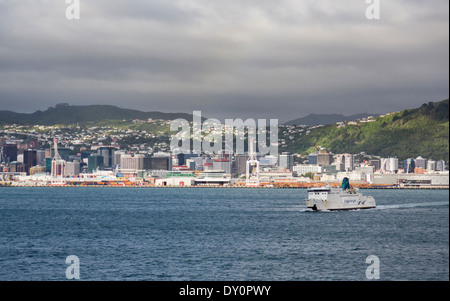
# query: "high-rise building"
158,163
29,159
95,162
129,162
107,154
116,157
375,163
8,153
312,158
73,168
324,158
421,162
40,157
222,164
58,168
241,164
409,165
48,165
286,160
440,165
431,165
349,162
64,153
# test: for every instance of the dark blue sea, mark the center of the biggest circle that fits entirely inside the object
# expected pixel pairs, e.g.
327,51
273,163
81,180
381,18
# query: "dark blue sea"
213,234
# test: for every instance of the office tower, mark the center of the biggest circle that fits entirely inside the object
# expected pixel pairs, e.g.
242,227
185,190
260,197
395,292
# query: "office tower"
135,163
161,163
312,158
48,165
58,168
95,162
222,164
286,160
409,165
198,163
29,159
73,168
349,163
8,153
421,162
116,157
324,158
40,157
431,165
107,154
440,165
64,153
375,163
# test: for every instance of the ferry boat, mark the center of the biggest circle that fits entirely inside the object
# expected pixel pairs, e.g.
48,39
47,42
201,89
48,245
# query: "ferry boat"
343,198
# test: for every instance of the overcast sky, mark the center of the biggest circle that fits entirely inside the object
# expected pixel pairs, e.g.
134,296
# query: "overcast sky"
228,58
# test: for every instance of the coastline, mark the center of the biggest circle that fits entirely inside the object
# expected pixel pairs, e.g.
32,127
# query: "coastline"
221,186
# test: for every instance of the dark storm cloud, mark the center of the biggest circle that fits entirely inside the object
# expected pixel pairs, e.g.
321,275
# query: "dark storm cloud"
234,58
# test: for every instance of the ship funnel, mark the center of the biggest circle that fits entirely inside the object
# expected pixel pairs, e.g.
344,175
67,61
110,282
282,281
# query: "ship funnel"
345,183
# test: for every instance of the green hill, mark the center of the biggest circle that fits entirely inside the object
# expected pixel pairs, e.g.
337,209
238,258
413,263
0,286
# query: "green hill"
65,114
422,131
315,119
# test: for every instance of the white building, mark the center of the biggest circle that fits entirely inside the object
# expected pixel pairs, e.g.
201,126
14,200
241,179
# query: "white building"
128,162
175,181
389,165
307,168
213,177
349,162
431,165
72,168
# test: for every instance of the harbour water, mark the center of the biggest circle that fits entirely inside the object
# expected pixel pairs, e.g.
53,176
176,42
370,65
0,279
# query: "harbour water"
219,234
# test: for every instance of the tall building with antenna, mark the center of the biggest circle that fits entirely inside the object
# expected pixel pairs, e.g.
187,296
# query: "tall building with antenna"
252,176
58,164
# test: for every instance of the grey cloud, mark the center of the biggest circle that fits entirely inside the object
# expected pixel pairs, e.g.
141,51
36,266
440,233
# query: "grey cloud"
231,58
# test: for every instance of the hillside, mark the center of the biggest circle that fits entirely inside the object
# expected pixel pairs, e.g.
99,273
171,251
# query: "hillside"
422,131
65,114
324,119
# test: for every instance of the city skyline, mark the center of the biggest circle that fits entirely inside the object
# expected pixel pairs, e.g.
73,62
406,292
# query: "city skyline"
233,59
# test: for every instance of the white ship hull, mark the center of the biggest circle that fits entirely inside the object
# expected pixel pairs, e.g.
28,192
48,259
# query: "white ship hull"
328,199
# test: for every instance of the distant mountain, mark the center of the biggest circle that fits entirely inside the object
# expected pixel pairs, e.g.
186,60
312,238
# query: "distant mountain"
66,114
416,132
324,119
